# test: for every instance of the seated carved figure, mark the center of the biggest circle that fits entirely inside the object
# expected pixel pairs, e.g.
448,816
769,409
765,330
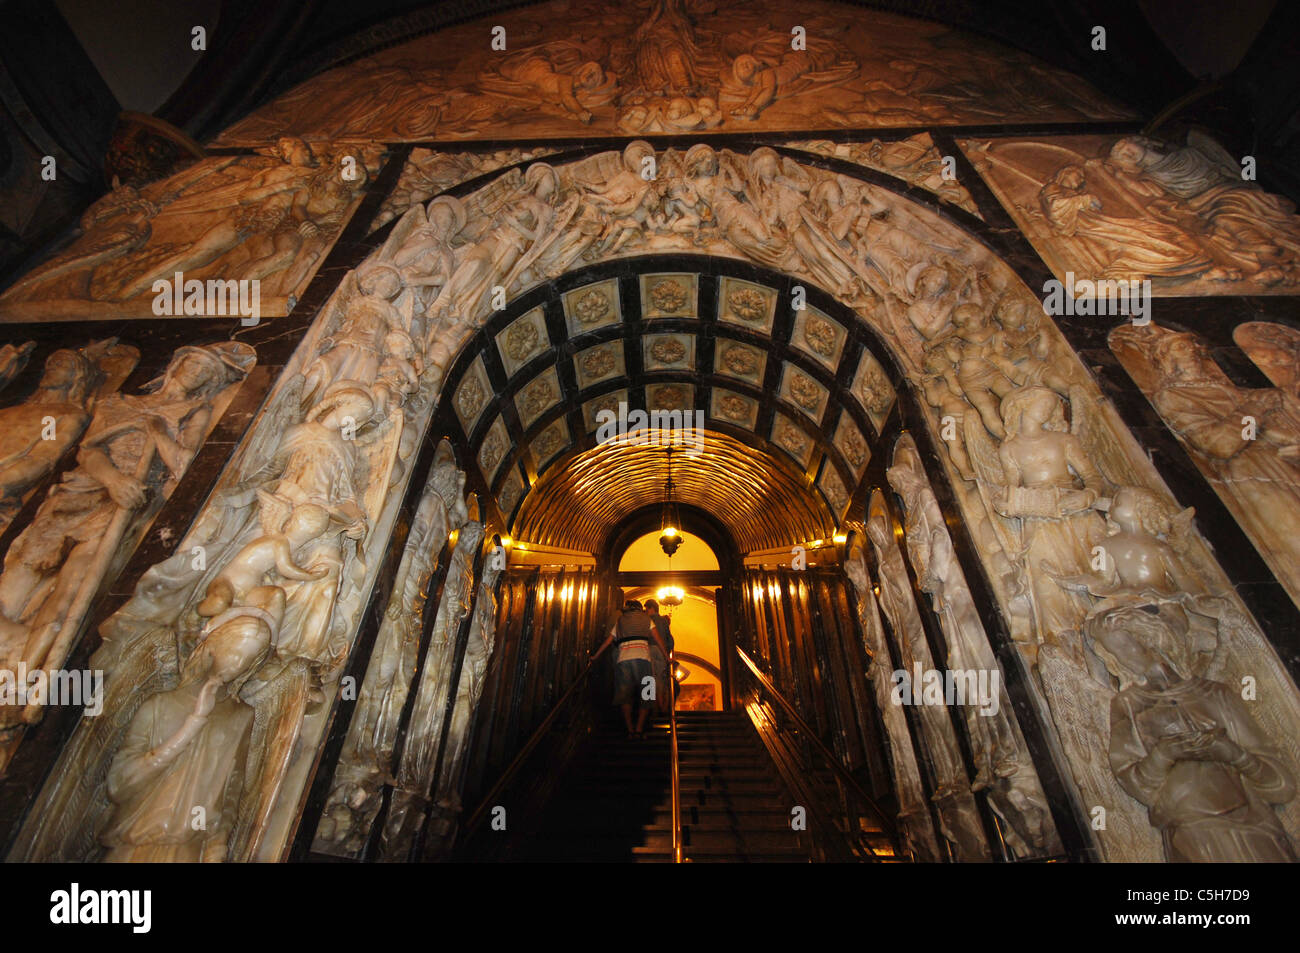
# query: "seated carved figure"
1186,747
184,751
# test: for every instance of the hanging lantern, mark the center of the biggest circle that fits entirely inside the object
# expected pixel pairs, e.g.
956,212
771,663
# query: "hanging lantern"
670,596
670,524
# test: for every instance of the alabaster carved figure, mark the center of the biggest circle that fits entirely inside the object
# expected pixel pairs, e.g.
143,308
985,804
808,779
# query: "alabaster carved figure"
961,824
35,434
1122,247
266,218
447,806
915,828
1130,207
134,451
1003,766
414,775
1187,748
1246,440
1042,482
1253,230
182,757
428,173
366,760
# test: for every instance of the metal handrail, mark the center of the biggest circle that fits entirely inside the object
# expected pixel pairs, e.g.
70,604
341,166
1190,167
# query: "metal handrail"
841,772
533,741
676,770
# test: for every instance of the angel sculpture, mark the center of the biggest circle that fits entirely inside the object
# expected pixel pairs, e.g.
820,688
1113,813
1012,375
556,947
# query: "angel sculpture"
1186,747
1042,481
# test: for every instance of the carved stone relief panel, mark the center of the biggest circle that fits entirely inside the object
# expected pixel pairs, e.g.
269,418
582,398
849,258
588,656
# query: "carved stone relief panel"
848,440
607,403
494,449
592,306
799,388
669,397
671,68
952,797
133,452
427,173
599,363
915,160
550,442
669,296
35,434
735,409
538,396
243,233
1275,349
741,361
915,825
1244,440
1128,208
366,761
872,388
473,395
818,336
668,352
790,437
522,340
746,304
1004,769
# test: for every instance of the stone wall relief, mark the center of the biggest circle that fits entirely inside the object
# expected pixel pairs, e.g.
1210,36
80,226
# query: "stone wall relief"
915,826
666,67
1036,452
1003,765
36,433
269,218
1132,207
134,450
1245,440
959,817
915,160
366,762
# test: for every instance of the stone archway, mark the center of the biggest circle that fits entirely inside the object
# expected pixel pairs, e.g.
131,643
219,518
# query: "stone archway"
383,346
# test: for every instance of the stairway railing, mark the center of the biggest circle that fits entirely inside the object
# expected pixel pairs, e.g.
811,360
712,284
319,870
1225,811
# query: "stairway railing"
475,819
676,768
850,789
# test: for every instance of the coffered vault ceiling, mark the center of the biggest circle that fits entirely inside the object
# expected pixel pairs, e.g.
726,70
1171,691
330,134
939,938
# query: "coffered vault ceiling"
757,496
802,387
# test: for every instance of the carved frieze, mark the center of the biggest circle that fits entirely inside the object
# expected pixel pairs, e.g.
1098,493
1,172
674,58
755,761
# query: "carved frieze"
1130,208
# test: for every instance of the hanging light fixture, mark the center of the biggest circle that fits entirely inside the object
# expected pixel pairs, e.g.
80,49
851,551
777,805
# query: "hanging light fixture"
670,596
670,524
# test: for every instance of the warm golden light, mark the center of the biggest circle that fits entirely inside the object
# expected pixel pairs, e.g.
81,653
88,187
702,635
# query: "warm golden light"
670,595
670,530
841,538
